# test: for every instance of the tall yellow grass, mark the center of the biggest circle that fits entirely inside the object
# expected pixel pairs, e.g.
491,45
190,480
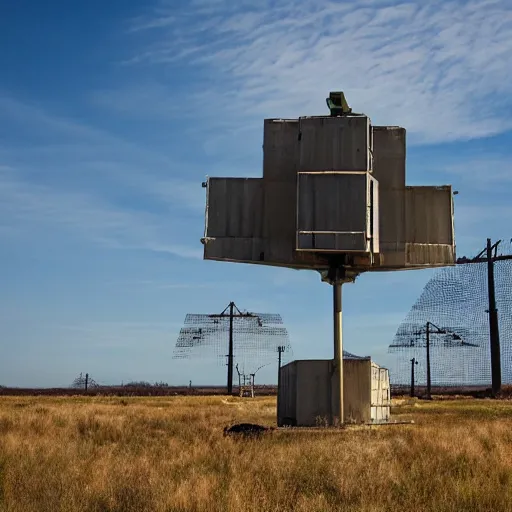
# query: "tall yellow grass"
169,454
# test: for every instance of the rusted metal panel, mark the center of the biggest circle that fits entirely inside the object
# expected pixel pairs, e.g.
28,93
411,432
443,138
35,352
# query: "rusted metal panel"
280,149
235,207
335,144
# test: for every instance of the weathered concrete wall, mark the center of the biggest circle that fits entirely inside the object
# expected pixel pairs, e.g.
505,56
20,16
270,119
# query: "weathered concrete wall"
287,397
313,392
357,390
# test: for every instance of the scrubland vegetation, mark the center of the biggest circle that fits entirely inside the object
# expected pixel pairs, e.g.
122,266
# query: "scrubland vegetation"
169,454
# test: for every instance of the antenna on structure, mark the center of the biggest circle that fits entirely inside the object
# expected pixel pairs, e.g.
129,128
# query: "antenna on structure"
338,104
252,337
332,198
84,382
463,299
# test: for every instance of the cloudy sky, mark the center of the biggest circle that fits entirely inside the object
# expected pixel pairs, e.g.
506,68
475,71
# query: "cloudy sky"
112,113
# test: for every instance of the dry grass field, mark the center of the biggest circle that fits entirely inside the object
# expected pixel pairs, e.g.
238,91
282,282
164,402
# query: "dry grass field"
169,454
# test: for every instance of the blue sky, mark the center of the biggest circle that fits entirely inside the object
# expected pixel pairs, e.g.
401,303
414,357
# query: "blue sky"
112,113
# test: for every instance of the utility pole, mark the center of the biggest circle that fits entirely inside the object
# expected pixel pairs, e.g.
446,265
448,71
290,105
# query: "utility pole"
231,315
439,330
413,363
494,332
430,329
429,382
230,352
86,381
487,256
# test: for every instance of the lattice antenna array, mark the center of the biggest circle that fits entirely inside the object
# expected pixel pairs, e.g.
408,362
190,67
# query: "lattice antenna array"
84,382
256,338
456,300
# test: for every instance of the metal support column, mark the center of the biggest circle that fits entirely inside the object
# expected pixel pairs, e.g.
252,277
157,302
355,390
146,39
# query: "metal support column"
429,383
230,352
413,364
337,395
494,333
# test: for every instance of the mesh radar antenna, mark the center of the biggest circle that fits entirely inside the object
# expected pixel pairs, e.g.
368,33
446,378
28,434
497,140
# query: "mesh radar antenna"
464,299
333,198
450,339
256,337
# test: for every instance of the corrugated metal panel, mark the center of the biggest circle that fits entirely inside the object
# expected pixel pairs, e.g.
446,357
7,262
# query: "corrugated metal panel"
334,211
431,254
279,222
249,250
389,169
429,215
335,144
429,226
332,202
235,207
373,224
280,149
335,242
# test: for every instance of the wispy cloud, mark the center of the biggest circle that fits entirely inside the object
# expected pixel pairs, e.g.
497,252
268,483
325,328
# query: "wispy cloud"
30,206
483,172
162,285
105,335
66,174
439,68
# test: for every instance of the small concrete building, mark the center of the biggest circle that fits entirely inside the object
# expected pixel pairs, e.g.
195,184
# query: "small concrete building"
306,392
